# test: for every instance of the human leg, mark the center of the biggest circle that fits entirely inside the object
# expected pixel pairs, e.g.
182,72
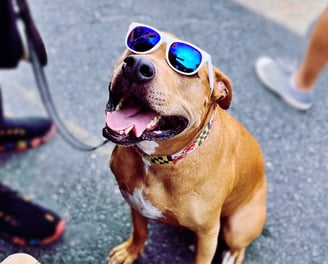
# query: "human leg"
21,221
11,48
316,55
18,134
295,86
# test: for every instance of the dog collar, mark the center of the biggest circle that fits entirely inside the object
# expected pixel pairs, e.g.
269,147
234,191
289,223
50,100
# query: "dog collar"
192,146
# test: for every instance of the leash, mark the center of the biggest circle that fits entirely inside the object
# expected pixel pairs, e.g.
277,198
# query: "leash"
49,105
42,84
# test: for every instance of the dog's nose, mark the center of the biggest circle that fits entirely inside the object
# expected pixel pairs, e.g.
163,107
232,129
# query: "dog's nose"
138,68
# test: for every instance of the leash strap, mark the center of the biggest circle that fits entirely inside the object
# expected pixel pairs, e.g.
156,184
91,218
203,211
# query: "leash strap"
49,105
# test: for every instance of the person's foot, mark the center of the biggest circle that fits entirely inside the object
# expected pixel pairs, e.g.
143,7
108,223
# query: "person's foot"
25,223
278,77
19,134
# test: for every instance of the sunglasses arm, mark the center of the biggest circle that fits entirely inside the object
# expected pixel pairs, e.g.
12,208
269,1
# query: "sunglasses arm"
210,73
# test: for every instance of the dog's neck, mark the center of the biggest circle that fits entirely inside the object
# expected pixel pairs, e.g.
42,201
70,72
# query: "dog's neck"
189,148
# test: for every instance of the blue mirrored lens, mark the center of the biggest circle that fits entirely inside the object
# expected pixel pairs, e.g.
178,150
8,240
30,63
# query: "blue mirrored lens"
142,39
184,57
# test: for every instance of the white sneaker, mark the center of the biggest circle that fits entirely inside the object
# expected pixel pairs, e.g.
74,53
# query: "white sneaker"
277,76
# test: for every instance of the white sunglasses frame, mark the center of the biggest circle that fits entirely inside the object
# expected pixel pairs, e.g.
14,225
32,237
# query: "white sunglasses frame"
206,58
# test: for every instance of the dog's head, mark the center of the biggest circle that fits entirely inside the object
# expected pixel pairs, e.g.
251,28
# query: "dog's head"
148,100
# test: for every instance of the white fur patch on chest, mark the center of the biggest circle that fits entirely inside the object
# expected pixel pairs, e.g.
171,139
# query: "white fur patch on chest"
148,147
143,206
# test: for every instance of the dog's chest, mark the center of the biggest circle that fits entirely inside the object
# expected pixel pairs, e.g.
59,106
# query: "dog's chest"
138,201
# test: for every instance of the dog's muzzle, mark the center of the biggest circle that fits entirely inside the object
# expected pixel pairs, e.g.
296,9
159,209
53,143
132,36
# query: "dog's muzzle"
130,117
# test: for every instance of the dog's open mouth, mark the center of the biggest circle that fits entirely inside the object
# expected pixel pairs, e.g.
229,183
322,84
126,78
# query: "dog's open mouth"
131,121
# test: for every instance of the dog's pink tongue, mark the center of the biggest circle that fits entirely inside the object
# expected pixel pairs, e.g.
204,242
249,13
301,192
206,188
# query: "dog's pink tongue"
125,118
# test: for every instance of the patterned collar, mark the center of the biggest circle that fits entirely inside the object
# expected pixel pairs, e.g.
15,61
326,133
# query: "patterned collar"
159,160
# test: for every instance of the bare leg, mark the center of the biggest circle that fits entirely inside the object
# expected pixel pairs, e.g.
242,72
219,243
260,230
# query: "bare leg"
130,250
316,55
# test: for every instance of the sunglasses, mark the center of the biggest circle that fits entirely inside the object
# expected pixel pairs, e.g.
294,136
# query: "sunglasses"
183,57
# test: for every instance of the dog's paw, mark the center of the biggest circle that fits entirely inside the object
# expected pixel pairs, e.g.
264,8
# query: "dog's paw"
227,258
125,253
233,258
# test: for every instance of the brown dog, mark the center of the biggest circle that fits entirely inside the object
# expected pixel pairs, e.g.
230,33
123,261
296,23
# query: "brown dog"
180,157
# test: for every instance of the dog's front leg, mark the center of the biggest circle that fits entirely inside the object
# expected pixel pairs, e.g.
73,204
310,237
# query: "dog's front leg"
131,249
206,246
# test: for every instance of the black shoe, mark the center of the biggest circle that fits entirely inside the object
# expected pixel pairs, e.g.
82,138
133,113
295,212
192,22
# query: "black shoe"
25,223
20,134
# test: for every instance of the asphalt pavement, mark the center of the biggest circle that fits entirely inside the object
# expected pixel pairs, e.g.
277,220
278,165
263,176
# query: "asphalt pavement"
84,39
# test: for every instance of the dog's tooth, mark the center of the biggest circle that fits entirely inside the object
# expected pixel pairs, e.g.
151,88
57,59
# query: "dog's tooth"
119,106
153,122
149,126
127,130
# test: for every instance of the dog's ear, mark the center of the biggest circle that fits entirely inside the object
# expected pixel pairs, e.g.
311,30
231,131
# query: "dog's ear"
222,91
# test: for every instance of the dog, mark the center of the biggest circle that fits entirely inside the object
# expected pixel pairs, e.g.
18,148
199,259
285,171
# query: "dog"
179,157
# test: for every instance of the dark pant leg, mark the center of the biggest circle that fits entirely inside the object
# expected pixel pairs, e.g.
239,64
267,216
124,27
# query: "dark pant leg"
11,49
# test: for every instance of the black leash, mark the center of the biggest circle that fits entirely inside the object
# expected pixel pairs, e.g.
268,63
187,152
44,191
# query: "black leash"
49,105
